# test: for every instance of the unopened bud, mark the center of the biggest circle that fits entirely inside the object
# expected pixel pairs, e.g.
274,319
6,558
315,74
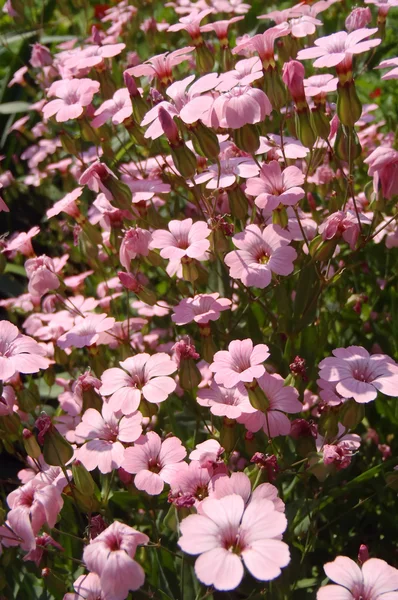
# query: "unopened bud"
184,160
247,138
349,107
228,434
363,554
304,128
82,479
257,397
238,203
347,145
204,59
206,140
167,124
31,446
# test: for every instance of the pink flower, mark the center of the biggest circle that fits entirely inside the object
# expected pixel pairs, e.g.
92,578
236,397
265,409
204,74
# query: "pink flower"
225,533
281,399
67,205
339,454
226,172
135,243
118,108
73,96
220,27
337,48
86,331
242,362
19,353
208,453
191,23
318,85
259,254
274,186
358,18
374,581
161,65
263,43
143,375
153,462
42,502
383,166
239,483
21,242
18,77
190,484
246,71
104,434
111,556
342,224
202,308
83,59
41,274
95,177
184,240
360,375
224,402
386,64
238,107
87,587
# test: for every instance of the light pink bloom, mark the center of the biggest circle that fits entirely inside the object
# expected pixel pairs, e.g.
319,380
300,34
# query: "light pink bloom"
18,77
83,59
333,49
118,108
225,402
153,462
19,353
87,587
239,483
274,186
240,363
263,43
191,23
259,254
95,177
42,502
374,581
383,5
161,65
358,18
225,533
292,148
202,308
42,275
17,530
386,64
281,399
318,85
238,107
21,242
135,243
383,166
340,452
73,96
184,240
42,542
390,229
226,172
86,331
111,556
67,205
104,434
220,27
246,71
190,484
143,375
342,224
360,375
208,453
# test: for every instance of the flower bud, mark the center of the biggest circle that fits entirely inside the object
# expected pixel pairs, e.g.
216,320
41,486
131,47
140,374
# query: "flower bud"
274,88
56,450
169,127
204,59
31,446
321,123
293,74
184,160
347,145
82,479
247,138
363,554
358,18
228,434
304,128
351,414
349,107
238,203
280,216
207,140
257,397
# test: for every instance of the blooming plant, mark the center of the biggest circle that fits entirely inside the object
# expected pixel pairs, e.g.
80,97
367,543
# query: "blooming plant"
198,300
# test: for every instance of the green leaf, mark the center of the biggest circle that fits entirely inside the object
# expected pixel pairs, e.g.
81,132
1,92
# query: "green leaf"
9,108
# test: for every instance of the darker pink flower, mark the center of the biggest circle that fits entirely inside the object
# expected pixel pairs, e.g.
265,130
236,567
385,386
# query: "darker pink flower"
96,176
383,166
374,581
202,308
119,108
161,66
240,363
224,402
342,224
135,243
191,23
103,434
238,107
225,533
41,501
141,375
360,375
263,43
19,353
274,186
86,331
259,254
73,95
111,556
220,28
153,462
42,275
281,399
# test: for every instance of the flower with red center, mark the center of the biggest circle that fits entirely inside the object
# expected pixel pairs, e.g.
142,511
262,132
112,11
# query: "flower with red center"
103,434
119,108
383,166
280,399
141,375
208,453
274,186
161,65
240,106
336,50
135,243
41,501
111,556
239,483
19,353
374,581
240,363
191,23
73,95
153,462
224,402
68,205
259,254
184,240
202,309
263,43
359,375
191,484
86,331
226,533
342,224
42,275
